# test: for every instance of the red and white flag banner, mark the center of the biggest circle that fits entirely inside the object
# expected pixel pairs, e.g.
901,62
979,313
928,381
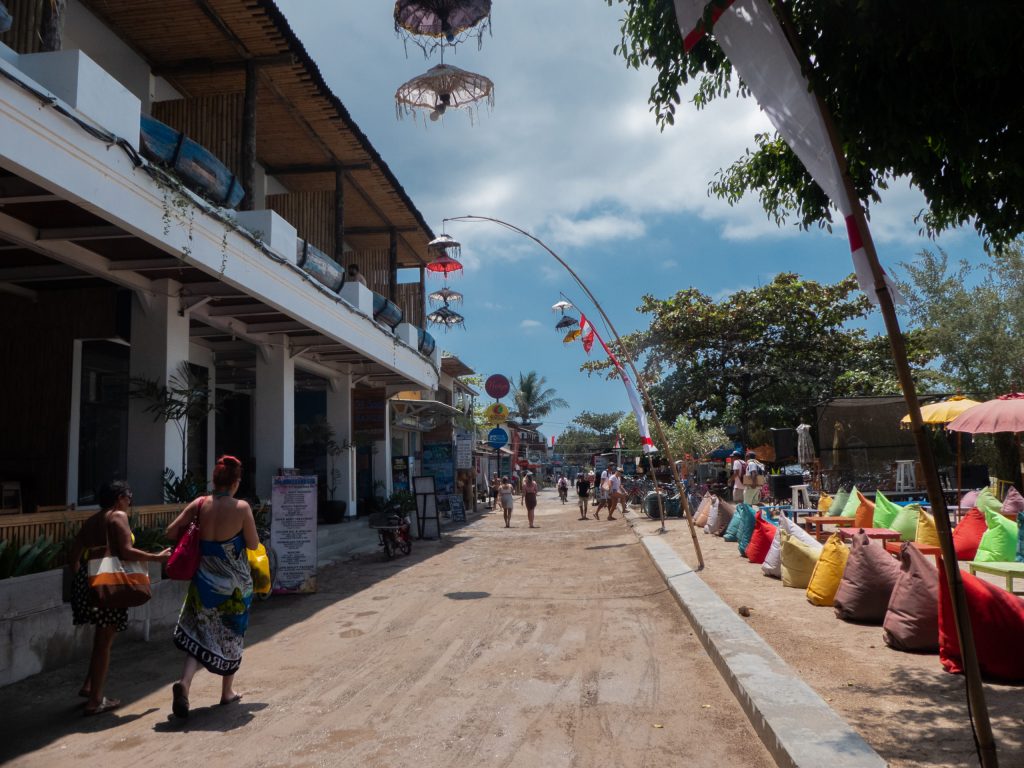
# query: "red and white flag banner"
646,443
750,35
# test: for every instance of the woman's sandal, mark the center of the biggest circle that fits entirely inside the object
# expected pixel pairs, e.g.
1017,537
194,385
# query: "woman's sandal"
106,705
233,700
179,704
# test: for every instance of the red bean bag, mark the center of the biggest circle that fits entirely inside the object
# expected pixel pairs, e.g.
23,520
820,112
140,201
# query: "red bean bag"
997,618
967,534
760,540
912,620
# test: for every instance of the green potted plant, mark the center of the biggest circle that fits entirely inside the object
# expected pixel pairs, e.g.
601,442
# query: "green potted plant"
334,509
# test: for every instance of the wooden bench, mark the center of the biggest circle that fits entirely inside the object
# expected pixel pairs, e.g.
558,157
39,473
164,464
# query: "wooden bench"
815,525
1009,571
925,549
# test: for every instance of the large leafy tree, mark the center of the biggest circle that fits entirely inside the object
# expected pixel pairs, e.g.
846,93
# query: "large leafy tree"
685,437
917,88
762,357
532,399
589,433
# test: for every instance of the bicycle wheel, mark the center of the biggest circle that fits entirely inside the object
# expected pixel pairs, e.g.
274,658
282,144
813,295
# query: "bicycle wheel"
389,544
405,546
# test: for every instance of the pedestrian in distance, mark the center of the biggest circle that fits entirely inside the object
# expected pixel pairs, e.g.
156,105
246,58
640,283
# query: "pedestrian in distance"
604,490
213,619
495,482
736,478
623,498
354,275
583,493
614,492
506,500
563,487
530,496
754,474
108,527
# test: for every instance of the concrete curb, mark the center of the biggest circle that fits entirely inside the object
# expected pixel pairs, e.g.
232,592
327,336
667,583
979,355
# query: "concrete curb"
796,725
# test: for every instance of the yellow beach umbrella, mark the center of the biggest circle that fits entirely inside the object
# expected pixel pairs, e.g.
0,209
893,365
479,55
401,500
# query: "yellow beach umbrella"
943,411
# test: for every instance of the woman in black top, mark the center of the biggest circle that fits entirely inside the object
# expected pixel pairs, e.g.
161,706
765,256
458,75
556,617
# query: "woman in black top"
583,491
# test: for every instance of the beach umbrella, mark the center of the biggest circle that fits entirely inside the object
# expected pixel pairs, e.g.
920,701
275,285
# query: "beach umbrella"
561,306
441,88
446,317
446,296
943,411
444,21
567,321
1004,414
445,265
572,335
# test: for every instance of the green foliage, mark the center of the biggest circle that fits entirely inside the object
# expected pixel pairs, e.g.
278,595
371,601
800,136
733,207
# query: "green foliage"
684,436
152,539
762,357
405,500
532,400
577,444
909,98
181,490
31,557
602,423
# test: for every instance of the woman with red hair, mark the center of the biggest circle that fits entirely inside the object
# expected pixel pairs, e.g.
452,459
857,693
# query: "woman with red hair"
215,614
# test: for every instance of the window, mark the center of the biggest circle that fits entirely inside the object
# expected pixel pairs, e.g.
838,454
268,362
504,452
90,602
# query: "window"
103,420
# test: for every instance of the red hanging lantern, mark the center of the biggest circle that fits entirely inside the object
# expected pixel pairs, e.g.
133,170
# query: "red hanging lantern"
445,265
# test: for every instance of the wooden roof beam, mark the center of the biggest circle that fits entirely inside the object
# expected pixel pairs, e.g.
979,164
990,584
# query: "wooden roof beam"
206,66
292,170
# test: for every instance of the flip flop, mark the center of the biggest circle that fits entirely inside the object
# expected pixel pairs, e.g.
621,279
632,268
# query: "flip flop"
106,705
179,704
233,700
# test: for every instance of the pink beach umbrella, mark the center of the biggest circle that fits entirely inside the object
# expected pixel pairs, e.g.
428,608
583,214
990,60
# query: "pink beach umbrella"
1004,414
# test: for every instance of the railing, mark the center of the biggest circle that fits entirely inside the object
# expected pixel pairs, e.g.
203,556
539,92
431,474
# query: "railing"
63,523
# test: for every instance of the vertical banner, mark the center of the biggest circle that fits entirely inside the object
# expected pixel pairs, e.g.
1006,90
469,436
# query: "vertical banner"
463,450
293,534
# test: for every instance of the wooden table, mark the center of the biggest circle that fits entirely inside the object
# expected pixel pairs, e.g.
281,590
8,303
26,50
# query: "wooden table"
884,534
924,549
1010,571
815,525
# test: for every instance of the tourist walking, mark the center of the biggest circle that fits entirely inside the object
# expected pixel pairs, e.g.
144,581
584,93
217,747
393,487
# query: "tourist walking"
736,478
754,476
530,496
215,614
107,528
495,482
614,493
583,492
604,489
506,500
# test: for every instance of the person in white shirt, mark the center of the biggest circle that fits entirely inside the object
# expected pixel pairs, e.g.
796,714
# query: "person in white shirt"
603,489
754,474
614,493
738,469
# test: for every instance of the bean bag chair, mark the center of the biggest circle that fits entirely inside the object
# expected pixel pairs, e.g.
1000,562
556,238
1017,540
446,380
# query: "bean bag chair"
772,565
839,502
732,530
967,534
726,510
885,511
761,540
868,581
700,519
828,572
745,529
999,543
997,618
798,560
911,620
1020,537
987,501
849,509
926,530
1013,504
906,522
712,521
824,503
969,500
865,516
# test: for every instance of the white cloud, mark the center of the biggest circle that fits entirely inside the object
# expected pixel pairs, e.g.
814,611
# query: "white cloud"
529,325
585,231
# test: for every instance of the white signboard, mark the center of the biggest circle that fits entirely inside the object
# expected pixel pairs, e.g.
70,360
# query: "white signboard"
293,534
463,451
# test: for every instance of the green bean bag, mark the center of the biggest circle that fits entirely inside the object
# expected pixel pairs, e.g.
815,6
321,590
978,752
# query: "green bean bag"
906,522
850,506
885,511
999,543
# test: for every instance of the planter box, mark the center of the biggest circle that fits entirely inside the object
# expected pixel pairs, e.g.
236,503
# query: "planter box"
359,296
409,334
275,232
82,84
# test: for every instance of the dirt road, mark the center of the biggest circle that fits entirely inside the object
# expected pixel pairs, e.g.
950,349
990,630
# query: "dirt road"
499,647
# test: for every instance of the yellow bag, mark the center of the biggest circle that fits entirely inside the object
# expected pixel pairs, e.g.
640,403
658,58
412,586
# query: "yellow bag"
259,564
927,533
828,573
824,502
799,559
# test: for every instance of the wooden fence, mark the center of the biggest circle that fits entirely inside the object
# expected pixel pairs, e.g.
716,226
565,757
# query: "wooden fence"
60,524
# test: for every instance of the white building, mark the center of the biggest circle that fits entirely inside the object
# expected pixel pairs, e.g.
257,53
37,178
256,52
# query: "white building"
110,273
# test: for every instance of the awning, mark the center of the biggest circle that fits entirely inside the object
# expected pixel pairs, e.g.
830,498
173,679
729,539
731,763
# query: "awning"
421,415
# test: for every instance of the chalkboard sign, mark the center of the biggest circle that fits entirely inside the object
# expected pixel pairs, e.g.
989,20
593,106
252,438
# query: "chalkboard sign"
457,508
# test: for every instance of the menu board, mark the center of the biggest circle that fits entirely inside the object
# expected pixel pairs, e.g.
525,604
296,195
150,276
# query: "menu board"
463,450
439,463
293,534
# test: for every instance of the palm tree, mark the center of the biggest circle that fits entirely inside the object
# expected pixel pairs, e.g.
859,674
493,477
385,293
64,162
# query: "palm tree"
532,401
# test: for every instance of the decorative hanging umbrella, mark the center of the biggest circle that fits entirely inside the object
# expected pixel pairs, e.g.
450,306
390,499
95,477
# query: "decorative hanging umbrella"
447,21
444,265
446,317
446,295
561,306
567,321
572,335
442,87
445,245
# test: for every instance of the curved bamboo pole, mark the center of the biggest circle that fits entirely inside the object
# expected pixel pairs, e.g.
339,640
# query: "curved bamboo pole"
685,503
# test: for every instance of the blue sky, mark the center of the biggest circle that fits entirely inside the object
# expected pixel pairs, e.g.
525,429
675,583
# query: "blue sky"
571,153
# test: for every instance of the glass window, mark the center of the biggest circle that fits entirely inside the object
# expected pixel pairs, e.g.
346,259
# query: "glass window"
103,420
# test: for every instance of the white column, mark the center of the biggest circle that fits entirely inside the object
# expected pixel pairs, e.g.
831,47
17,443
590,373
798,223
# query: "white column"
273,413
159,347
339,416
382,458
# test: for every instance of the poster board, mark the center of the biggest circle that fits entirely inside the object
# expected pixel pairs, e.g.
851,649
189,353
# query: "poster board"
293,534
439,463
428,517
463,450
457,508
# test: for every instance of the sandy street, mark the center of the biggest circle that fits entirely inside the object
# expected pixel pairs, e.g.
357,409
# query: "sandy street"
500,647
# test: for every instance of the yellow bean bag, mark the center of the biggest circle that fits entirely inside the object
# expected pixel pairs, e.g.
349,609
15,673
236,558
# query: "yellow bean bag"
926,530
828,573
798,560
824,502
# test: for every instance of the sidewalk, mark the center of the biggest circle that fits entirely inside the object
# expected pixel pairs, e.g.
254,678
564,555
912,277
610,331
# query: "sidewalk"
905,706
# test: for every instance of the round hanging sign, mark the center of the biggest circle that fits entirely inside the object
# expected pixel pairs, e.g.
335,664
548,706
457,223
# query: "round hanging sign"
496,413
497,437
497,386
